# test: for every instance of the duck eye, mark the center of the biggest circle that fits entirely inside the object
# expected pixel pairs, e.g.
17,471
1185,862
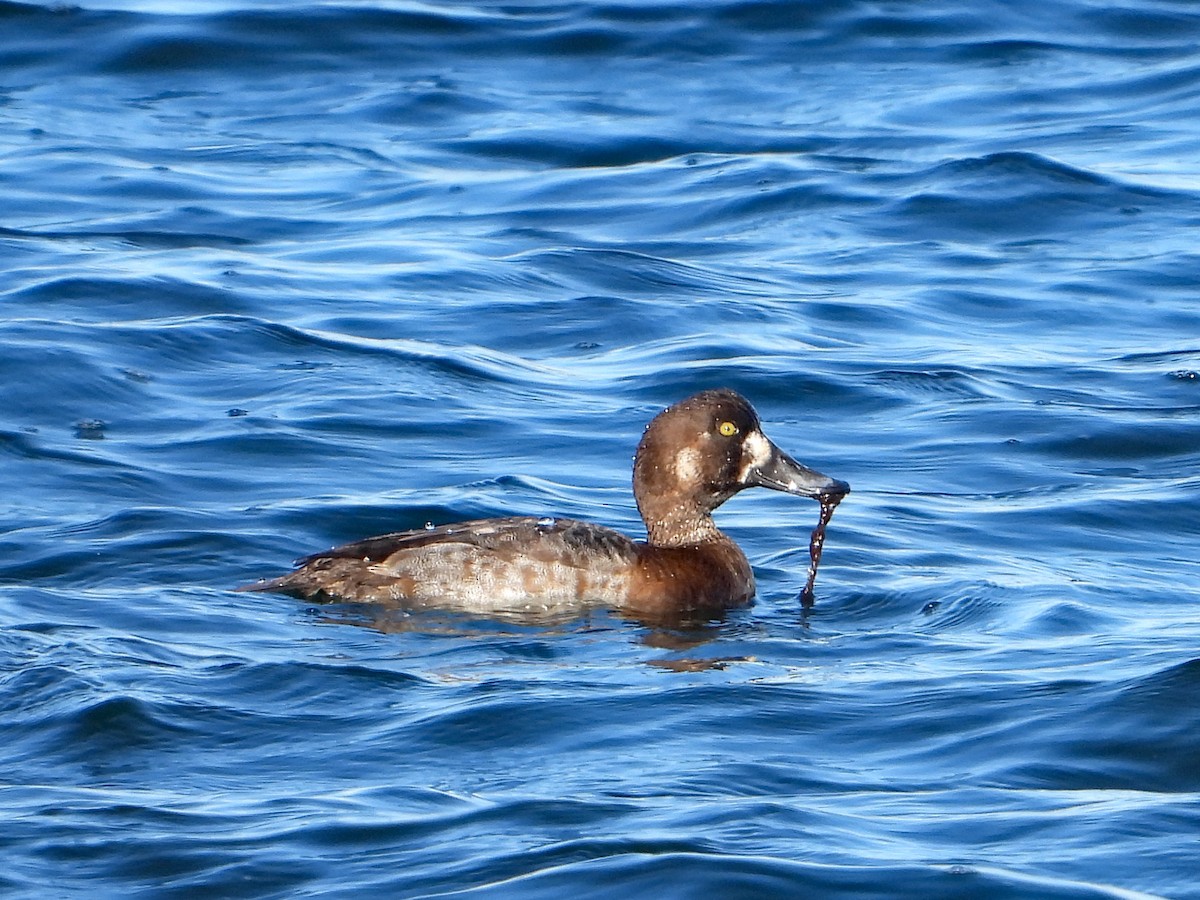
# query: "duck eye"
728,429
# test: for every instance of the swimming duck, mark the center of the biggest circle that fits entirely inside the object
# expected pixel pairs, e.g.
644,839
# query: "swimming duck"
693,457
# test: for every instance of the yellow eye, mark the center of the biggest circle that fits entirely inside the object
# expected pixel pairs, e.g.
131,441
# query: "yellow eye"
728,429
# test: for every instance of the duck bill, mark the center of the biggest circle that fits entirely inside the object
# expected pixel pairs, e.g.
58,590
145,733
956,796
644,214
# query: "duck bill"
780,472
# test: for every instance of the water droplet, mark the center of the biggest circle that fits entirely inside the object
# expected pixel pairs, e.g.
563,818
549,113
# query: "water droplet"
429,526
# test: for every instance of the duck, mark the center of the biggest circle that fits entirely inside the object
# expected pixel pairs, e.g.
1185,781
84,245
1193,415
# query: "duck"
692,457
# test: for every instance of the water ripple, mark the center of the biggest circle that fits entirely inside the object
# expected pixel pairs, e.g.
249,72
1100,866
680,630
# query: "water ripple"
284,276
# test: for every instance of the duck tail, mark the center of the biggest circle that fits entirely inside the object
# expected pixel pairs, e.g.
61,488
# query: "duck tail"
265,586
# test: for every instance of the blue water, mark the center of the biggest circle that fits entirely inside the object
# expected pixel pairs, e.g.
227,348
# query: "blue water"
281,275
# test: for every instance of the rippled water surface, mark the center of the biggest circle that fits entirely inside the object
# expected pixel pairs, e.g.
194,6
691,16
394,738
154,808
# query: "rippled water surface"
281,275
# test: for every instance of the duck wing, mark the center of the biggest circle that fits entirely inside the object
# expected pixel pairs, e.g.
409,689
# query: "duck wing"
519,563
565,538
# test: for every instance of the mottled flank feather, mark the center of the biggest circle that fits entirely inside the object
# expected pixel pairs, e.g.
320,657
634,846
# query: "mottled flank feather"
471,565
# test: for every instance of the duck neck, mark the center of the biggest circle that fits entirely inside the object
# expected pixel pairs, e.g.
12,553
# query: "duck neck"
679,525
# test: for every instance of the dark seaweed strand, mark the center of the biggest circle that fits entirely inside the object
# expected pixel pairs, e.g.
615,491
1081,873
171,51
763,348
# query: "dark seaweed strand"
815,544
